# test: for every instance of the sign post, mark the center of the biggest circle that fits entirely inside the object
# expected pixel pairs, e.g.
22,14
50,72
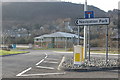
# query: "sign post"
106,44
85,34
96,21
89,42
78,35
89,14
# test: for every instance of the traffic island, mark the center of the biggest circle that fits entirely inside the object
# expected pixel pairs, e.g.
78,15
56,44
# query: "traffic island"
96,64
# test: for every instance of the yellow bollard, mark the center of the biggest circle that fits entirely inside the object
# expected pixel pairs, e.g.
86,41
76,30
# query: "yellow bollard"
78,55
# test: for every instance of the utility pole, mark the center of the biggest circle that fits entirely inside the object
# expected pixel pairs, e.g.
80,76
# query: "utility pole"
85,33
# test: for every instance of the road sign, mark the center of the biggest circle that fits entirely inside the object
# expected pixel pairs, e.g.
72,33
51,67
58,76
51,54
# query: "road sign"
89,14
92,21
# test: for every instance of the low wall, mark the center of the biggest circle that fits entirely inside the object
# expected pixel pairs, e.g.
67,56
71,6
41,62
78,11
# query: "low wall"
22,46
19,45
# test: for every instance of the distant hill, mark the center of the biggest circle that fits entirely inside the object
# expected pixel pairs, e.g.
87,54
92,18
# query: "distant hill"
43,12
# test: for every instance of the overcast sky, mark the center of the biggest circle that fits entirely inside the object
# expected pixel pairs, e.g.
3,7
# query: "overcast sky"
102,4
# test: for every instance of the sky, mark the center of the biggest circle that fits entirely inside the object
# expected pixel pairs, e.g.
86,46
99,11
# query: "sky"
102,4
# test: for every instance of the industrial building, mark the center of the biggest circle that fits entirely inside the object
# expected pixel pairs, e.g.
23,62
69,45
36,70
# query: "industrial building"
57,40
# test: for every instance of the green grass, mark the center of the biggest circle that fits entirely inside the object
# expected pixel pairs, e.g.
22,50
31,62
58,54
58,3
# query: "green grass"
3,52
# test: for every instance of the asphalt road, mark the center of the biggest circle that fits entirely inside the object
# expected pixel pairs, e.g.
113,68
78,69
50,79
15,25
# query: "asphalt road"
44,64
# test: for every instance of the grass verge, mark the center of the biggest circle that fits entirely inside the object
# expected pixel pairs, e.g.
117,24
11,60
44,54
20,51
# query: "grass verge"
3,52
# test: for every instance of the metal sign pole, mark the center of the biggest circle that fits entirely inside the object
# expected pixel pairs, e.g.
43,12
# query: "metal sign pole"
85,33
78,35
106,44
89,42
89,39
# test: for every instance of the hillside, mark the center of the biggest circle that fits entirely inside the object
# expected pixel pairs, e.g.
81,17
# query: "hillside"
43,12
22,21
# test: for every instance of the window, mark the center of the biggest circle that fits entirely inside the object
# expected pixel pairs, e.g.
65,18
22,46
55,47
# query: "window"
68,38
37,39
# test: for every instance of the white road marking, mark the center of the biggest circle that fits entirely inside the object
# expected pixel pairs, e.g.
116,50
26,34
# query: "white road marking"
31,67
50,62
63,59
44,74
45,67
24,71
51,59
61,52
42,60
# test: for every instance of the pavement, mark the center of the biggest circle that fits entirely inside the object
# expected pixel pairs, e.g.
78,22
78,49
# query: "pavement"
44,64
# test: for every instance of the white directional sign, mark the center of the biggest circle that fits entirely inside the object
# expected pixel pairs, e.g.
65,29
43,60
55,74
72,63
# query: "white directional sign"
93,21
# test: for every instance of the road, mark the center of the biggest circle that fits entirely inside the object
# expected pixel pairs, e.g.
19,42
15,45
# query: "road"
44,64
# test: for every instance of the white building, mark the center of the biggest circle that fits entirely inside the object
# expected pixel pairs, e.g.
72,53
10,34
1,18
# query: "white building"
57,40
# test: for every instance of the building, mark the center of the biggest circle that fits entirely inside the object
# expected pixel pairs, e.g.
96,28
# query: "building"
116,37
57,40
115,40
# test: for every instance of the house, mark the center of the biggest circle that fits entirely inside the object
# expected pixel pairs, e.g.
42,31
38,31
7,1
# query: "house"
57,40
115,39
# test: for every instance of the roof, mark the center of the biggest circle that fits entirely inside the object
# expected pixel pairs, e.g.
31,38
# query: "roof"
59,34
